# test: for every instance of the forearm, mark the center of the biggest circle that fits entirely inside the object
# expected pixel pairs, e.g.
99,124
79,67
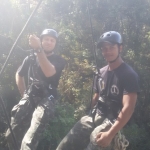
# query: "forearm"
20,84
121,121
47,68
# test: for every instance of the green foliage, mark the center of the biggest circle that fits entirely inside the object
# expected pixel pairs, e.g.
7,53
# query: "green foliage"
137,136
59,126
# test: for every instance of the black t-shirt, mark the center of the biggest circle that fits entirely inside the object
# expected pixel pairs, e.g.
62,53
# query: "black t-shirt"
52,81
112,85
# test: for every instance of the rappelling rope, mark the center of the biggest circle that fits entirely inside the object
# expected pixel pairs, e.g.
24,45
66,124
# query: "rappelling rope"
120,142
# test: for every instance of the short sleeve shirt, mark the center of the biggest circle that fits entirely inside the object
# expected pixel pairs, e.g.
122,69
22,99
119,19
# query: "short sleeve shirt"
114,84
56,60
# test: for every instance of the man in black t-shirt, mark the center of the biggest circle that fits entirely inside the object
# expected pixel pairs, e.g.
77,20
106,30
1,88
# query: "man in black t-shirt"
116,89
31,115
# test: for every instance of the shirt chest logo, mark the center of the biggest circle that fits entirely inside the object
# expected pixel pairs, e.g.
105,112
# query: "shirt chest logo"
114,90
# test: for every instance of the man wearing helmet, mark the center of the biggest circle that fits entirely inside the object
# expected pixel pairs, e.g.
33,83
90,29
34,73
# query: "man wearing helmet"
113,104
31,115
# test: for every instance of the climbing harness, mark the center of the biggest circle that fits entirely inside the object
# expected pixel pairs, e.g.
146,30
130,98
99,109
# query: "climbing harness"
4,66
35,86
